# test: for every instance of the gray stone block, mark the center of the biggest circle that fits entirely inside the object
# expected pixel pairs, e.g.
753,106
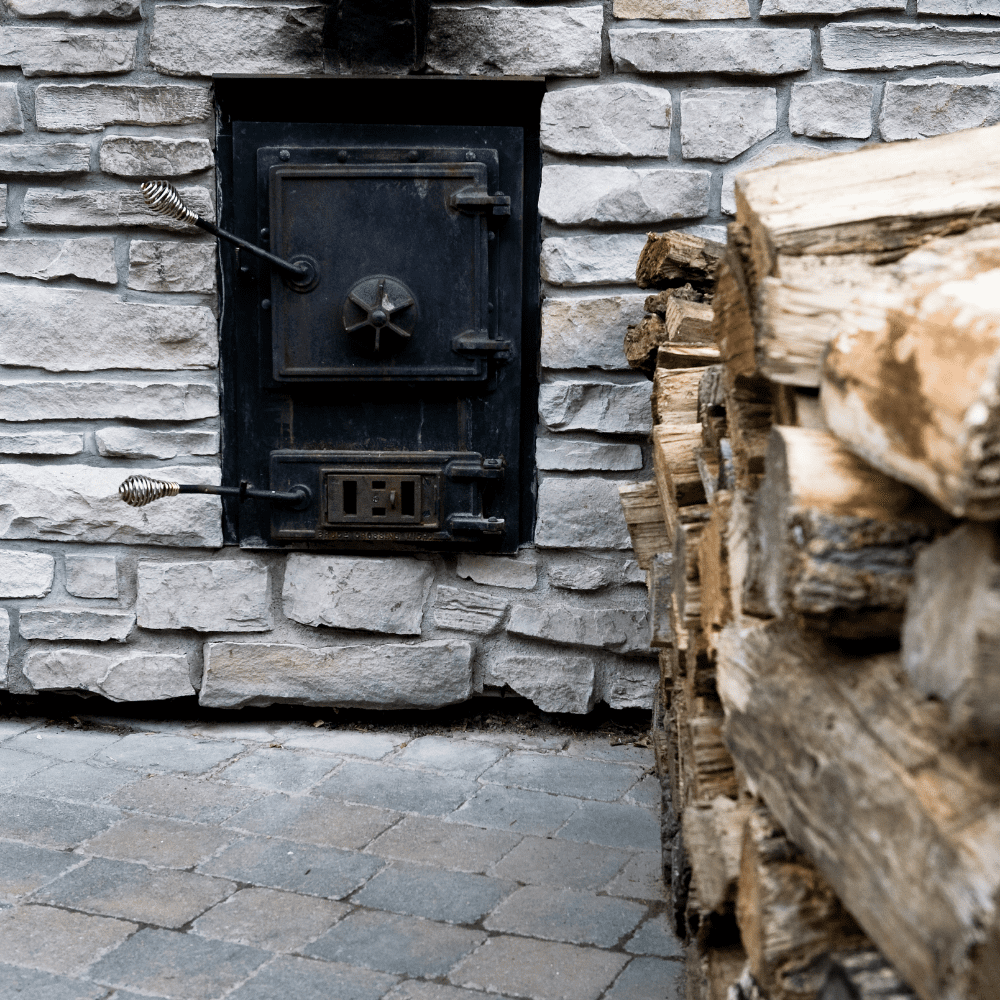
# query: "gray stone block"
76,782
66,623
88,107
967,8
648,792
620,630
91,258
520,573
589,120
467,610
30,984
580,513
560,681
164,843
913,109
154,156
395,788
108,401
279,770
450,755
166,963
158,266
550,862
77,10
679,10
721,122
15,766
91,576
41,443
55,159
642,877
11,118
184,798
576,571
24,869
48,51
132,442
52,824
63,744
564,455
831,109
784,8
304,868
656,937
627,683
574,195
515,41
305,979
586,779
888,45
515,811
3,206
595,259
25,574
373,746
587,332
202,39
393,943
595,406
57,207
614,825
424,674
153,752
445,845
649,979
750,51
135,676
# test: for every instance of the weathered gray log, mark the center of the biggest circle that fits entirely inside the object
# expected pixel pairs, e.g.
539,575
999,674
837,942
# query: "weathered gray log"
661,589
713,834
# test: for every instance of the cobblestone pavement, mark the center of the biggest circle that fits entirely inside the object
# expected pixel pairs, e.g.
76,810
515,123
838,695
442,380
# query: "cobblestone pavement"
277,861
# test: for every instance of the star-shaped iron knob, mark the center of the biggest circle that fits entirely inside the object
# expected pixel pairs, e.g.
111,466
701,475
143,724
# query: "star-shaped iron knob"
380,302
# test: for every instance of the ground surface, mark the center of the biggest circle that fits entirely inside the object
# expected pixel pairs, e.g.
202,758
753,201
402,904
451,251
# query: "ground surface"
443,856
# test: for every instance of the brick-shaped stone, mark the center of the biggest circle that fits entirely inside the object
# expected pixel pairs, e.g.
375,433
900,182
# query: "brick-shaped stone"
144,676
580,513
587,332
576,571
520,573
89,107
80,503
154,156
595,259
627,683
595,406
108,401
62,330
223,595
467,610
77,10
90,257
573,195
56,51
48,207
831,109
556,682
515,41
913,109
171,266
133,442
200,39
55,624
961,8
719,123
618,629
55,159
91,576
420,675
679,10
3,206
25,574
11,117
785,8
750,51
890,45
553,454
589,120
41,443
337,591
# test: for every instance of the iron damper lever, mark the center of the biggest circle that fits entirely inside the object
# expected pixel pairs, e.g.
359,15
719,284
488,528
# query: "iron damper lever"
137,491
163,198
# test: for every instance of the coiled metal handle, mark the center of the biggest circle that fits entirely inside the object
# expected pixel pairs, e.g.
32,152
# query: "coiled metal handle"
137,491
163,198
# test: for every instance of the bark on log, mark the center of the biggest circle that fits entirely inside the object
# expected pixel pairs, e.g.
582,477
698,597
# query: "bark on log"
862,975
672,259
860,774
644,519
642,342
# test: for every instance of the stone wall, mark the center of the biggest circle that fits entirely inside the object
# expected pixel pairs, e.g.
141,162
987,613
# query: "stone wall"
109,350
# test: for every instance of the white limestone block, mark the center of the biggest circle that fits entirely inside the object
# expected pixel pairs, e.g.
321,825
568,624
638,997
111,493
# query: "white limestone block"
55,159
627,683
831,109
134,676
719,123
595,406
25,574
3,206
44,50
580,513
11,118
91,576
518,573
784,8
88,107
594,259
129,400
581,571
171,266
134,442
57,624
891,45
154,156
588,332
467,610
4,647
913,109
680,10
41,443
961,8
621,630
554,454
77,10
555,682
89,257
114,207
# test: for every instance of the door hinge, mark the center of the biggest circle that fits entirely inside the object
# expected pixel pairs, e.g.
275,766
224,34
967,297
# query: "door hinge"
477,199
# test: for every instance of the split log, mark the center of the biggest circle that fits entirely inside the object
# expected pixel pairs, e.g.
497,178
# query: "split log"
860,774
661,589
713,835
749,416
686,355
732,327
704,765
836,538
739,543
862,975
951,634
675,395
712,971
642,342
676,470
679,316
644,518
687,321
671,259
713,570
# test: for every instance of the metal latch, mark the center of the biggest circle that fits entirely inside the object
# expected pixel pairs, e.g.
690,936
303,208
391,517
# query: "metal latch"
473,522
473,468
477,199
480,342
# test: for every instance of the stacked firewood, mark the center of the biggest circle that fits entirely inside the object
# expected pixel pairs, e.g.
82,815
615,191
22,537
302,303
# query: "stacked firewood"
824,576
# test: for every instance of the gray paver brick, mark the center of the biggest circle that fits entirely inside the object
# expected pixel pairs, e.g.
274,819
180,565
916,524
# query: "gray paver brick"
307,979
565,915
42,937
185,798
647,792
589,779
392,943
268,918
28,984
52,824
598,748
156,841
541,970
314,820
306,868
422,891
15,766
650,979
414,990
279,770
75,781
614,824
548,861
64,744
180,966
447,845
453,756
396,788
12,727
23,868
516,810
655,937
135,892
642,877
158,752
374,746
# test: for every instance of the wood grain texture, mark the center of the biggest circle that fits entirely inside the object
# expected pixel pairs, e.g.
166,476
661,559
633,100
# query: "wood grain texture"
675,258
644,518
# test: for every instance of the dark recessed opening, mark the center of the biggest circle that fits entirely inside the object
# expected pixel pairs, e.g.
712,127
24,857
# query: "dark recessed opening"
378,484
350,497
406,499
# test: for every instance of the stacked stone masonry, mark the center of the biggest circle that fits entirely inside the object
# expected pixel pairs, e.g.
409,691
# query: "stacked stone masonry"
109,346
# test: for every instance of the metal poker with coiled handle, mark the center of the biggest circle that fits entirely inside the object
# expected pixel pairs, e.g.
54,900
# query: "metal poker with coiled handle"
137,491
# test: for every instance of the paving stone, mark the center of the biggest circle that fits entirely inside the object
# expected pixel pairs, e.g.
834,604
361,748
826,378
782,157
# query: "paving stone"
15,766
888,45
446,845
614,825
574,195
722,122
64,744
52,824
585,332
449,754
90,258
125,677
595,406
41,443
135,892
107,401
579,513
516,811
831,109
184,798
913,109
750,51
515,41
562,775
551,862
133,442
421,891
648,792
12,727
565,915
520,573
595,259
642,877
202,39
52,940
541,970
561,681
180,966
76,9
564,455
305,868
75,781
24,869
392,943
396,788
467,610
47,51
174,266
314,821
649,979
154,156
618,629
777,153
589,120
278,770
54,159
154,752
413,989
374,746
656,937
88,107
91,576
67,623
305,979
11,118
58,207
30,984
165,843
267,918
